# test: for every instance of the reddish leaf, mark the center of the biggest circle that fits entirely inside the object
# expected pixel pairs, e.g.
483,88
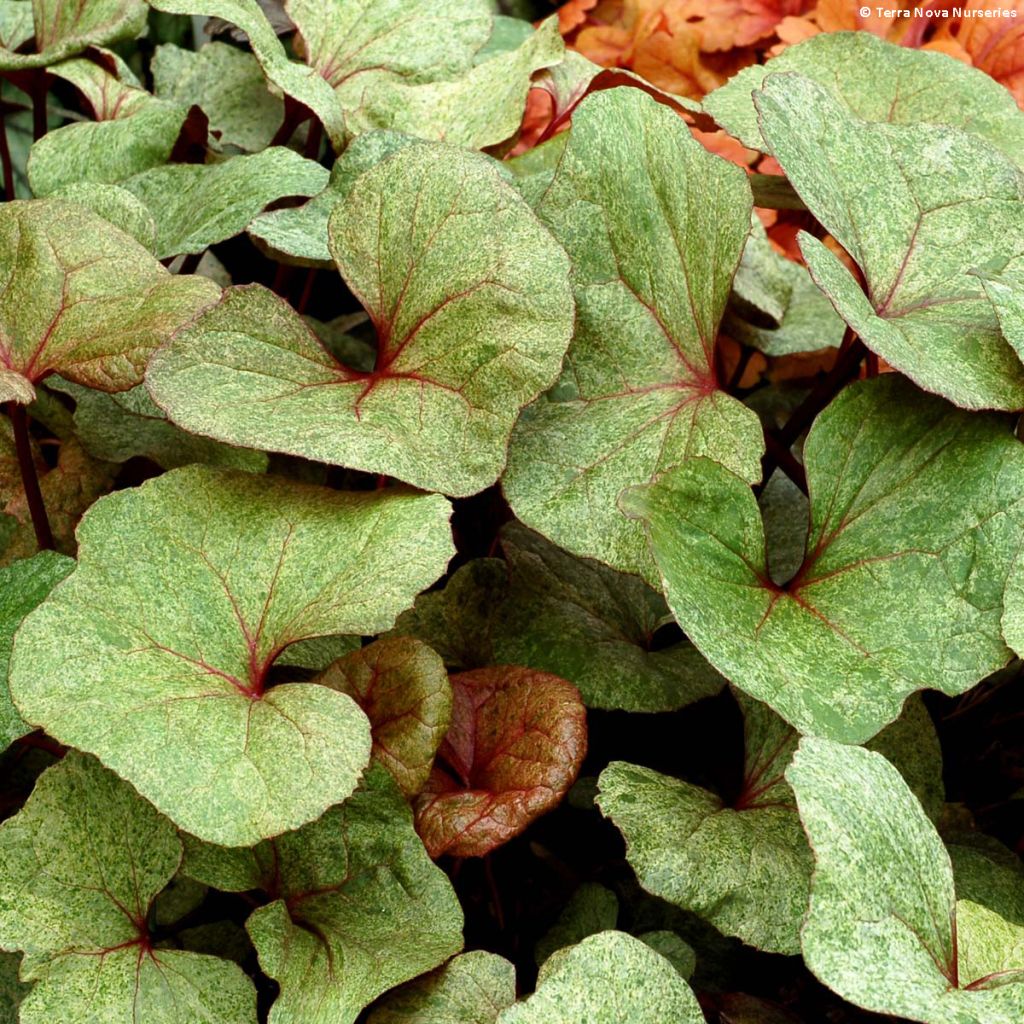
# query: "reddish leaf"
995,44
514,748
402,686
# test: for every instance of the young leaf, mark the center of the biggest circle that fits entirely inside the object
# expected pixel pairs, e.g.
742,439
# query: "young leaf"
925,313
119,427
403,688
357,909
198,205
470,300
607,979
470,989
80,867
903,514
880,82
154,655
654,225
23,586
65,27
884,929
300,82
745,868
83,299
228,84
515,746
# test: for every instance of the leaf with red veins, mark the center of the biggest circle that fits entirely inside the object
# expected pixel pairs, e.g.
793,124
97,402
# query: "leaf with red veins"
357,906
81,298
80,867
515,746
154,654
402,686
639,390
901,588
65,27
471,301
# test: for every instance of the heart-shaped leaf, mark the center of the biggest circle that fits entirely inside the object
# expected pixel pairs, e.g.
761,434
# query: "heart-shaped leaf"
638,392
80,867
925,312
882,82
885,930
470,989
65,27
187,590
23,586
357,905
119,427
83,299
470,300
743,864
903,515
403,688
299,81
515,746
228,84
746,868
607,979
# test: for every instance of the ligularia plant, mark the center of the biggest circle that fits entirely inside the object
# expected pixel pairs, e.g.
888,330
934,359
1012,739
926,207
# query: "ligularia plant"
485,540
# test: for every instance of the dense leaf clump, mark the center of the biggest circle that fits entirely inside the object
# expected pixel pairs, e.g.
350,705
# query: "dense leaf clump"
488,538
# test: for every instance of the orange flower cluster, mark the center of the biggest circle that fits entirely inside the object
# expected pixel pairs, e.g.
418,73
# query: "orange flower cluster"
690,47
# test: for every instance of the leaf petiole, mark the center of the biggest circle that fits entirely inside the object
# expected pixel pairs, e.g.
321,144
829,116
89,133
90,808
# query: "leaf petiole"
29,477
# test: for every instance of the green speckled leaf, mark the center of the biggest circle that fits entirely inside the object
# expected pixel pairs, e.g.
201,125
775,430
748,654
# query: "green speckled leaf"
746,867
480,108
402,687
881,82
23,586
65,27
300,234
80,867
904,516
83,299
608,979
473,312
132,132
776,307
654,226
297,80
884,927
591,909
12,990
198,205
918,207
121,426
228,84
116,205
154,654
470,989
358,907
576,618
